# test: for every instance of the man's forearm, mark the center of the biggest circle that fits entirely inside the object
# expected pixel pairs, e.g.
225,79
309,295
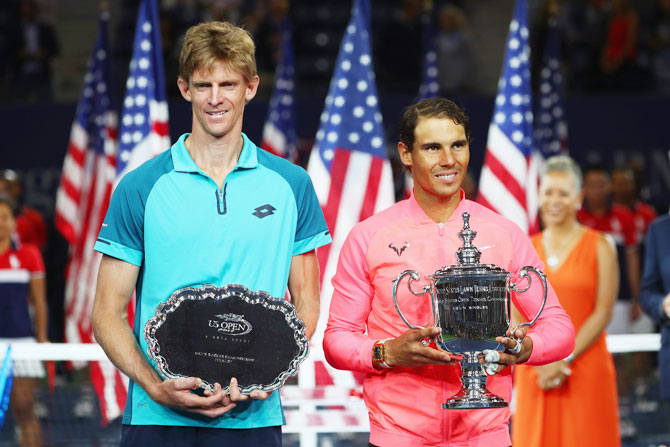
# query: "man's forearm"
633,272
308,311
117,340
303,285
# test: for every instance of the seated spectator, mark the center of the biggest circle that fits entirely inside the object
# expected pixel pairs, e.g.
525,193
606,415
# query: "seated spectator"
618,59
454,50
585,31
659,42
266,24
35,47
401,36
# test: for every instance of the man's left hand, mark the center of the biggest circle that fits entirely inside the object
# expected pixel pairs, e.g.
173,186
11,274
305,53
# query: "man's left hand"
237,396
666,305
496,361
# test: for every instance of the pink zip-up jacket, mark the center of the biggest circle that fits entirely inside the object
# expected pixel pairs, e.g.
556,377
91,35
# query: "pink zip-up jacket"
405,403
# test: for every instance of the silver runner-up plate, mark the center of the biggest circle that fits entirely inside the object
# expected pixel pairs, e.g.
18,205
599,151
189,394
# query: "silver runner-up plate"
217,333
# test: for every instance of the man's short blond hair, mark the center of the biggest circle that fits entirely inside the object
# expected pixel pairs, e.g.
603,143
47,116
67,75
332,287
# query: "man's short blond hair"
207,43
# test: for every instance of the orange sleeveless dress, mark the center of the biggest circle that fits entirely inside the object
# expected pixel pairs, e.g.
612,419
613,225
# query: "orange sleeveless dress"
584,410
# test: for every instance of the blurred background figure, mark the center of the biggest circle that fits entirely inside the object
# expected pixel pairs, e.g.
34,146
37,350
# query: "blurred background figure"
618,59
398,53
221,10
22,287
559,404
600,213
34,47
30,225
453,46
585,30
265,23
655,296
659,43
625,193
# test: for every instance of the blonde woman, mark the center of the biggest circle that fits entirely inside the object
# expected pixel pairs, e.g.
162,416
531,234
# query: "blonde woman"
573,401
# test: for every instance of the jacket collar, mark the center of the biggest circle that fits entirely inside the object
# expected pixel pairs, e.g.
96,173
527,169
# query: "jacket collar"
419,215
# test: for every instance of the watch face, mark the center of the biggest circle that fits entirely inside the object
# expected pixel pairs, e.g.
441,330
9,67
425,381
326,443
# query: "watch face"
377,353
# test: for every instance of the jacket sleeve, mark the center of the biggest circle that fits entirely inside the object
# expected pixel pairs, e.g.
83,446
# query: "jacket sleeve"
652,291
345,343
553,334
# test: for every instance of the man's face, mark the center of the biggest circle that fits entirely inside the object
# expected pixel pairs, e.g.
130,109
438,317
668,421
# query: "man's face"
218,97
596,188
7,222
439,159
10,187
623,187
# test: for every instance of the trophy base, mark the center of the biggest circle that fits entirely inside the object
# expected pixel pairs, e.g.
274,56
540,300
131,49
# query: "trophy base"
466,401
473,393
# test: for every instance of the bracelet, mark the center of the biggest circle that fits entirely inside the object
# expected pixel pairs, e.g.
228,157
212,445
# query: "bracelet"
379,353
570,358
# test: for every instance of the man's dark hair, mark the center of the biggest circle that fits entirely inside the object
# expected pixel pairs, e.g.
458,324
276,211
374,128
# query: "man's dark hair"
5,199
430,108
596,167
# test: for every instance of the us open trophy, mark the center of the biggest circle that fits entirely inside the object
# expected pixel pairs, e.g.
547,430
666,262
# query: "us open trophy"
471,304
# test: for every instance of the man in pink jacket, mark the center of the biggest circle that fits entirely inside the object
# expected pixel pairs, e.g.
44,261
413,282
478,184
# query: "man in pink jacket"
405,388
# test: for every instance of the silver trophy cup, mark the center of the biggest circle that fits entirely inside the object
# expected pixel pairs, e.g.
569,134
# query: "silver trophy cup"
471,304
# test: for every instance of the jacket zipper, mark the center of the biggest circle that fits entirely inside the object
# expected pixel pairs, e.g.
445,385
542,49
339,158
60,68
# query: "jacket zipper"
440,230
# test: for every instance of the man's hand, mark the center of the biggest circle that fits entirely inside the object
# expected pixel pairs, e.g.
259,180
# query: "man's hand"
517,350
408,349
552,375
635,310
237,396
666,305
176,393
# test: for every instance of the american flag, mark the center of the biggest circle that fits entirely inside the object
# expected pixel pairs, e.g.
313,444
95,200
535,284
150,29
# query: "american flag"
348,164
86,184
144,121
551,128
279,131
508,180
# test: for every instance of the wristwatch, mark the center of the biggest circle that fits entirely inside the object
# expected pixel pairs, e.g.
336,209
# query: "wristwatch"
379,354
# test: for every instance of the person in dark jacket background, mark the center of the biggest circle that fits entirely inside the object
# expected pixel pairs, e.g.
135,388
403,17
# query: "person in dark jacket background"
655,295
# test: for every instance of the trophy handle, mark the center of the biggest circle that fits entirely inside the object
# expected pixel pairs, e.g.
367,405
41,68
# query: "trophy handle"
426,289
523,273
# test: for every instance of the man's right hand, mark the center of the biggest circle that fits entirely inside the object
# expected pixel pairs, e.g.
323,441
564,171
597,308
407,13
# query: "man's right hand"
408,349
176,393
666,305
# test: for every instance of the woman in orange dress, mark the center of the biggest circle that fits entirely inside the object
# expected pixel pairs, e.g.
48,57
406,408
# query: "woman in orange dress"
572,402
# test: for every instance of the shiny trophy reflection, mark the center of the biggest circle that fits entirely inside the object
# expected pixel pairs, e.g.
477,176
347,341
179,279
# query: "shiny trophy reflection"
471,304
